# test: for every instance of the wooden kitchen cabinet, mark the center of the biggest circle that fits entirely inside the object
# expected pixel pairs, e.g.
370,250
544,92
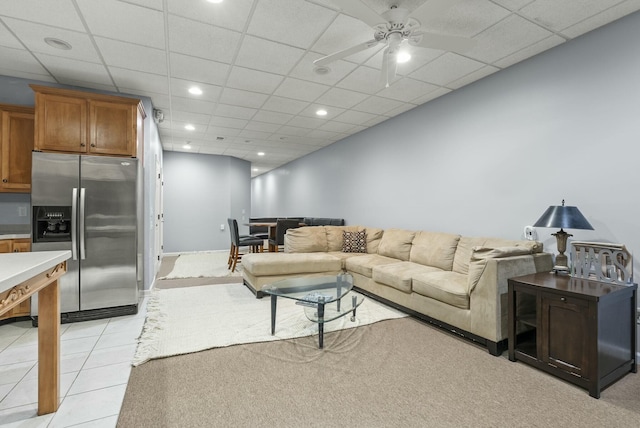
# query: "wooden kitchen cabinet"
580,330
73,121
16,245
16,144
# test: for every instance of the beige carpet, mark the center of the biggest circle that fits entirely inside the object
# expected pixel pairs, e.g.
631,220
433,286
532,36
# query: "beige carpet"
183,320
209,264
395,373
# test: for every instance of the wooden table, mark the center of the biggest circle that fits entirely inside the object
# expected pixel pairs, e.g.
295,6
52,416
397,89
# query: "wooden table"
21,276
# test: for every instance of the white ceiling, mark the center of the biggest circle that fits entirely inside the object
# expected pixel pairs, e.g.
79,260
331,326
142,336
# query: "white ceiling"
253,59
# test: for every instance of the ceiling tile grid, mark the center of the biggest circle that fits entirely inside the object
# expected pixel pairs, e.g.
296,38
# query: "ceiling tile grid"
253,60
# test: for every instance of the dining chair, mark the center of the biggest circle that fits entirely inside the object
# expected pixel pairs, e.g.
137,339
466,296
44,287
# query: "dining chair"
255,244
282,225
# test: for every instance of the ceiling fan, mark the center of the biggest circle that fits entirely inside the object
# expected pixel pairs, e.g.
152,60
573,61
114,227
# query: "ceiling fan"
392,28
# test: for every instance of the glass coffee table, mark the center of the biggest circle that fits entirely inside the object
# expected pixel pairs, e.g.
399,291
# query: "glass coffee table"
324,298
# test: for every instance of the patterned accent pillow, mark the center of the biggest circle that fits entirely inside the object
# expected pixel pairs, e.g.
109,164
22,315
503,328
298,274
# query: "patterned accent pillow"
354,242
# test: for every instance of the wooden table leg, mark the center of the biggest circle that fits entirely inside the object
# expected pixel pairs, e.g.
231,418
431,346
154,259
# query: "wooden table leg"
49,348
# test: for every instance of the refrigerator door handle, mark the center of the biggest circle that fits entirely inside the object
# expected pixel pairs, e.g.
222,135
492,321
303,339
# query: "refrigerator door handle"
81,223
74,210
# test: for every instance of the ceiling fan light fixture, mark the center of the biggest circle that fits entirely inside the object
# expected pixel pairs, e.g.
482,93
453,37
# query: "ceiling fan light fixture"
402,57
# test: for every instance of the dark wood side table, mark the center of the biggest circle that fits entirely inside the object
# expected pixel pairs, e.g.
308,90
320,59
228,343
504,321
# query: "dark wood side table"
579,330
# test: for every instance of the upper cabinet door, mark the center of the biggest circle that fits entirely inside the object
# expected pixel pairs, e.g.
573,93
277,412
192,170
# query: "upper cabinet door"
16,136
61,123
84,122
112,128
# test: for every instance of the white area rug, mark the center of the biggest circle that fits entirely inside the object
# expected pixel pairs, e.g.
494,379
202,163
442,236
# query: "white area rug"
203,265
184,320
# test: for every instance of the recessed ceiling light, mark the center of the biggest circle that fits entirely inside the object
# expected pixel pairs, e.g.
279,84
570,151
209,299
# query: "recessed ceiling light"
260,153
189,127
215,1
57,43
321,112
403,57
194,90
255,170
187,145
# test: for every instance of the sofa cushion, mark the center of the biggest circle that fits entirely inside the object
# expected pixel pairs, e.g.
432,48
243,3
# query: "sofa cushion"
396,243
434,249
466,244
398,275
480,255
364,264
374,236
447,287
269,264
308,239
354,242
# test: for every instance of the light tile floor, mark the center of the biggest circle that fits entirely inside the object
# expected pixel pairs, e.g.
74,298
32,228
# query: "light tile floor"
95,363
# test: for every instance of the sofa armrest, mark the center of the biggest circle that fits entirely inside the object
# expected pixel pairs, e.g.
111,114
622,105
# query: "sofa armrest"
488,299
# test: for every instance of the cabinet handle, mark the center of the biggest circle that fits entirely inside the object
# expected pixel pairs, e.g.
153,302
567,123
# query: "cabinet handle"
93,145
16,250
4,180
82,144
564,299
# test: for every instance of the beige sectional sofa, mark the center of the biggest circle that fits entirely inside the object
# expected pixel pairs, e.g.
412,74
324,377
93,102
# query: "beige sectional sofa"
456,282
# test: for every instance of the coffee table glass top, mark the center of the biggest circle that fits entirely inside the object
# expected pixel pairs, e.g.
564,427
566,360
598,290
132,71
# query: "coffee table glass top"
312,289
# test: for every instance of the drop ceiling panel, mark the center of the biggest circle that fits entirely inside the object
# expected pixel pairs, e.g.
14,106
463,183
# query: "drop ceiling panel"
311,109
272,117
362,79
7,39
341,98
33,35
265,55
236,112
191,105
607,16
305,70
305,21
355,117
473,76
190,117
202,40
406,89
253,80
300,89
284,105
67,68
557,15
465,18
447,68
505,38
262,127
530,51
130,79
198,69
228,122
124,21
58,13
24,74
231,14
242,98
132,56
377,105
20,60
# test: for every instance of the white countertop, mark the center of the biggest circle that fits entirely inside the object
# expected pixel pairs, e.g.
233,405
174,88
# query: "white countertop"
16,268
15,236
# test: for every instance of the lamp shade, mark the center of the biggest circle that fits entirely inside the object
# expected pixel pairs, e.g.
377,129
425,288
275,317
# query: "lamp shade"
563,217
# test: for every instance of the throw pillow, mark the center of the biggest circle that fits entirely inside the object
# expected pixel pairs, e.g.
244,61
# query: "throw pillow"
354,242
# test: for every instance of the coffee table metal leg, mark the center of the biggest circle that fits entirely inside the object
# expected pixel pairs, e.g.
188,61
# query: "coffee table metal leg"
320,325
273,313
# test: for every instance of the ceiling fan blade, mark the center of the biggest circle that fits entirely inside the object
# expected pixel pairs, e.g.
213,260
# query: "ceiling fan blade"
345,53
361,11
432,8
439,41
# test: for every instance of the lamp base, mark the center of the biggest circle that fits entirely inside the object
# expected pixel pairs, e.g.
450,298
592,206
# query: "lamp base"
561,270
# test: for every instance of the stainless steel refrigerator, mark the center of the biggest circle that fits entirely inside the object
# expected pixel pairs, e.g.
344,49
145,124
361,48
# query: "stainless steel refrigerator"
88,204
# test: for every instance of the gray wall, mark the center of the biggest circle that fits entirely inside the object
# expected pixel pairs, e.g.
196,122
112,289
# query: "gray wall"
488,159
17,91
200,193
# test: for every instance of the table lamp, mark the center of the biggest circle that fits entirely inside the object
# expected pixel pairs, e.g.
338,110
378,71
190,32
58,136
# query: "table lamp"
562,217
